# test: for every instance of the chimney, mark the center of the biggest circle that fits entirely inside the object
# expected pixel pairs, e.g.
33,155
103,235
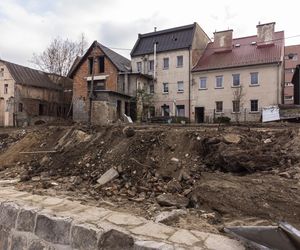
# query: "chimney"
155,29
223,40
265,34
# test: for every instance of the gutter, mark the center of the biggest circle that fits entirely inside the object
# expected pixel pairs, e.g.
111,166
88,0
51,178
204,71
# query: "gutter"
278,83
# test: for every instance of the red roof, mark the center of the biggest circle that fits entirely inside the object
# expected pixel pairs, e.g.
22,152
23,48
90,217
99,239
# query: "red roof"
243,55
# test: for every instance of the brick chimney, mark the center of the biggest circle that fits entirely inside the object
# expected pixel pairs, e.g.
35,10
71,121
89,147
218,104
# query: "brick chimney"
223,40
265,34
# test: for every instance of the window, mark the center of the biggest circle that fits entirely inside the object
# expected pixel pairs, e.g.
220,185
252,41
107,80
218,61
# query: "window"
20,107
101,64
235,106
98,85
91,65
165,110
288,84
5,88
165,87
180,110
151,65
1,72
152,111
289,98
254,105
202,84
166,63
219,81
254,78
151,89
139,66
179,61
236,80
180,86
219,107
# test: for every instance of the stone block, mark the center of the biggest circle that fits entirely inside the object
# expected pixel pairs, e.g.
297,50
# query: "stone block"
18,242
4,234
26,220
114,239
216,242
155,230
124,219
8,215
108,176
38,245
152,245
183,236
83,237
53,229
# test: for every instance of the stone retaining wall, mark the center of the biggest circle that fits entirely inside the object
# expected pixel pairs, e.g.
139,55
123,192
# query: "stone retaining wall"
33,222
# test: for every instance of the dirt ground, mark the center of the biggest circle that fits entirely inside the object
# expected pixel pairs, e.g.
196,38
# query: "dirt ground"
230,175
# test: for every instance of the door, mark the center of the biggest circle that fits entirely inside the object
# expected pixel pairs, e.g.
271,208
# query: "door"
199,114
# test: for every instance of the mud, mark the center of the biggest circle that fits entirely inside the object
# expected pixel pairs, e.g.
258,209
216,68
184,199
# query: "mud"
231,175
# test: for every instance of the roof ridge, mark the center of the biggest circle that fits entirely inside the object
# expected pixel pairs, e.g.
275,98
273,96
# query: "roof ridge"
153,33
101,45
19,65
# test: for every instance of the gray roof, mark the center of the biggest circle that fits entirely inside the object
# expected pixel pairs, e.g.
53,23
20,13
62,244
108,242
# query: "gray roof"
121,63
32,77
170,39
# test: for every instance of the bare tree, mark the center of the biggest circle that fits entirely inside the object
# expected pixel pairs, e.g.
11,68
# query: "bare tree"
237,103
60,55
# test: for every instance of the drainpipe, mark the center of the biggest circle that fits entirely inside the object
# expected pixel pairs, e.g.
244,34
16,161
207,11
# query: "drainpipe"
278,84
189,84
154,66
91,95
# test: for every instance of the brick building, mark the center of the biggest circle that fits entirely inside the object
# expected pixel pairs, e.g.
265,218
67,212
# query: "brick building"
113,89
291,59
28,95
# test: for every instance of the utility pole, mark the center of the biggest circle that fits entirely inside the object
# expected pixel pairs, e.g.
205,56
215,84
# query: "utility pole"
91,95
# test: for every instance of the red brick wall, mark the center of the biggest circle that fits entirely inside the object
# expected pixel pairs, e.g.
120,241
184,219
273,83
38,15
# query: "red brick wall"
80,89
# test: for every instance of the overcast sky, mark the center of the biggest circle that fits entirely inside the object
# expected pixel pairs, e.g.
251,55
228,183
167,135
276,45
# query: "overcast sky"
28,26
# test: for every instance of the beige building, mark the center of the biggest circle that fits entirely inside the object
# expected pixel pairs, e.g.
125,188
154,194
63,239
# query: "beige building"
28,96
238,77
168,56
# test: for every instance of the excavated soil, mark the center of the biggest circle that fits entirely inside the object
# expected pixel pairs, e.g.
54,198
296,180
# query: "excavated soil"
230,175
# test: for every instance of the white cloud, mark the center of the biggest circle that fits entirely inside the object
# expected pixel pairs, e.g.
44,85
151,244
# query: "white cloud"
29,26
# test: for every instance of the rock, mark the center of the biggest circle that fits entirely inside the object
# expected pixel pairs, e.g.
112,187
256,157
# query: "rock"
285,175
108,176
172,200
174,159
213,140
267,141
168,216
128,131
174,186
45,160
232,138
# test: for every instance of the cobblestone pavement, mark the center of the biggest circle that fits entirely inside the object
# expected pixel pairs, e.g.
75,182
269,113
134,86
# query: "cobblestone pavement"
30,222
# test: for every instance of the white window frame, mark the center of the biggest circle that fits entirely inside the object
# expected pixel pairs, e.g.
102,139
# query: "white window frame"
222,82
166,59
254,84
233,106
180,90
254,111
233,79
200,82
179,65
218,111
151,62
165,84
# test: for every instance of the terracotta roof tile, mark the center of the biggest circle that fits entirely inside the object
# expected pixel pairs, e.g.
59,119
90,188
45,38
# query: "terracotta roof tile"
243,55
